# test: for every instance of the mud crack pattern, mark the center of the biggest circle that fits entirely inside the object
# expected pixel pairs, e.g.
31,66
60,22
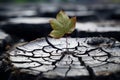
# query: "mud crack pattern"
51,58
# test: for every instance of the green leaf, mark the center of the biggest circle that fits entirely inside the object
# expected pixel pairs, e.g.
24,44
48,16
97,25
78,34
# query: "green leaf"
56,34
62,25
55,23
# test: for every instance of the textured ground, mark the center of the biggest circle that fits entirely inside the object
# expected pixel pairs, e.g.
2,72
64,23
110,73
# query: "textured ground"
50,58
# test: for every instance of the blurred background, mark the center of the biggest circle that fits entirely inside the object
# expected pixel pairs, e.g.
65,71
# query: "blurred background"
76,1
26,20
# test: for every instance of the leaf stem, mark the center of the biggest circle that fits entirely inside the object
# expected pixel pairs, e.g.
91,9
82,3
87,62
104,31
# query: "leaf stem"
66,42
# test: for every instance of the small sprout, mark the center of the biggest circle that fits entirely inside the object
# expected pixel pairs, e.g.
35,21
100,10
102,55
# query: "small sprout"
62,25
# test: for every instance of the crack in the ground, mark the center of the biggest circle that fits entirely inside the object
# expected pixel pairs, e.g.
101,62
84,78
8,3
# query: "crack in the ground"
55,56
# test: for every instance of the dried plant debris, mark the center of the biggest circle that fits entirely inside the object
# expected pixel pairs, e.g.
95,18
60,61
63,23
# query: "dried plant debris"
40,57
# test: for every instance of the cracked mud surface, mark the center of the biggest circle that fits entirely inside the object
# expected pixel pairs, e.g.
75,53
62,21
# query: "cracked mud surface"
50,58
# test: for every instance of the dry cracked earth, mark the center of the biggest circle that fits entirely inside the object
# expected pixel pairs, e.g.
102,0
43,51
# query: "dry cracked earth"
56,59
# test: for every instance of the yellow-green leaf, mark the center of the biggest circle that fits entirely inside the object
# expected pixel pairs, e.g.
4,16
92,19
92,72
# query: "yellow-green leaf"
55,24
62,17
56,34
62,25
71,25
